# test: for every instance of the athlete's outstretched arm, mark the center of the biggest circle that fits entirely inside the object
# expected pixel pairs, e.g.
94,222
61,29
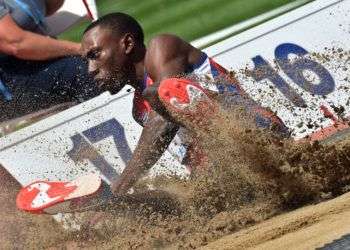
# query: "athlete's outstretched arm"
167,56
155,138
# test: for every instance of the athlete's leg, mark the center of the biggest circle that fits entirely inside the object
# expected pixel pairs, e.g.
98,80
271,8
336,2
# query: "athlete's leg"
216,122
188,104
191,105
262,117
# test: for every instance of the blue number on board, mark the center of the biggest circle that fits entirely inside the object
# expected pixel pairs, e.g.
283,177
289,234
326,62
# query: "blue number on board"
294,69
263,70
83,150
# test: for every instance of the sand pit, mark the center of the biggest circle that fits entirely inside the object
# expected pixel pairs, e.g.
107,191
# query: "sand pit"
306,228
255,196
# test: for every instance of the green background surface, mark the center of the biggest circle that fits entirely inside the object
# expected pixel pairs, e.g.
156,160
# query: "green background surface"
189,19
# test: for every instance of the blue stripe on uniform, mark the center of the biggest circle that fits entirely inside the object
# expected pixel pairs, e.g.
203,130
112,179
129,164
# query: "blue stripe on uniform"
200,63
214,71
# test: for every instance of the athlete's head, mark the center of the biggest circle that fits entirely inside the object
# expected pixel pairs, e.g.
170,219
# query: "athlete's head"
112,45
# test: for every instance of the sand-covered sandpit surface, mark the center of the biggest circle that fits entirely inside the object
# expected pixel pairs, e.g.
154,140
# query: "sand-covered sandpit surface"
309,227
260,192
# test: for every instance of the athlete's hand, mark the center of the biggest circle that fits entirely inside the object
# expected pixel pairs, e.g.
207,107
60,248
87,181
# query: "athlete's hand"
116,188
122,185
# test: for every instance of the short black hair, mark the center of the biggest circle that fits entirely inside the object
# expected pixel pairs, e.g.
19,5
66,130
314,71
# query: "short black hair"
119,24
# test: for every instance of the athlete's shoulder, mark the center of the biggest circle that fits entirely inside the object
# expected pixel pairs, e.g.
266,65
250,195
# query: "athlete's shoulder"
166,46
164,40
168,55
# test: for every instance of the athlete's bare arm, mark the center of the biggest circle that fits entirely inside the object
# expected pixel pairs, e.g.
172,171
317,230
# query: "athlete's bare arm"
166,56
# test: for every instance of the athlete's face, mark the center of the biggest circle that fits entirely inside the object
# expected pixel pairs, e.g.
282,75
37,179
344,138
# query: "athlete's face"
107,58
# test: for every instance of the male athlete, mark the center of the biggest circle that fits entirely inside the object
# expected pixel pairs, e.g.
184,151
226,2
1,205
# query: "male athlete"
165,98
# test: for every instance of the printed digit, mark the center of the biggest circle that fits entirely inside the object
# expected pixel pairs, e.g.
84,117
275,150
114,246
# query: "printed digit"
111,128
83,150
294,69
263,70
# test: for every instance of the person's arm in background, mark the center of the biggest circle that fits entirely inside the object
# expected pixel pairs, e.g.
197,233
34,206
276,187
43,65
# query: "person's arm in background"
167,56
27,45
